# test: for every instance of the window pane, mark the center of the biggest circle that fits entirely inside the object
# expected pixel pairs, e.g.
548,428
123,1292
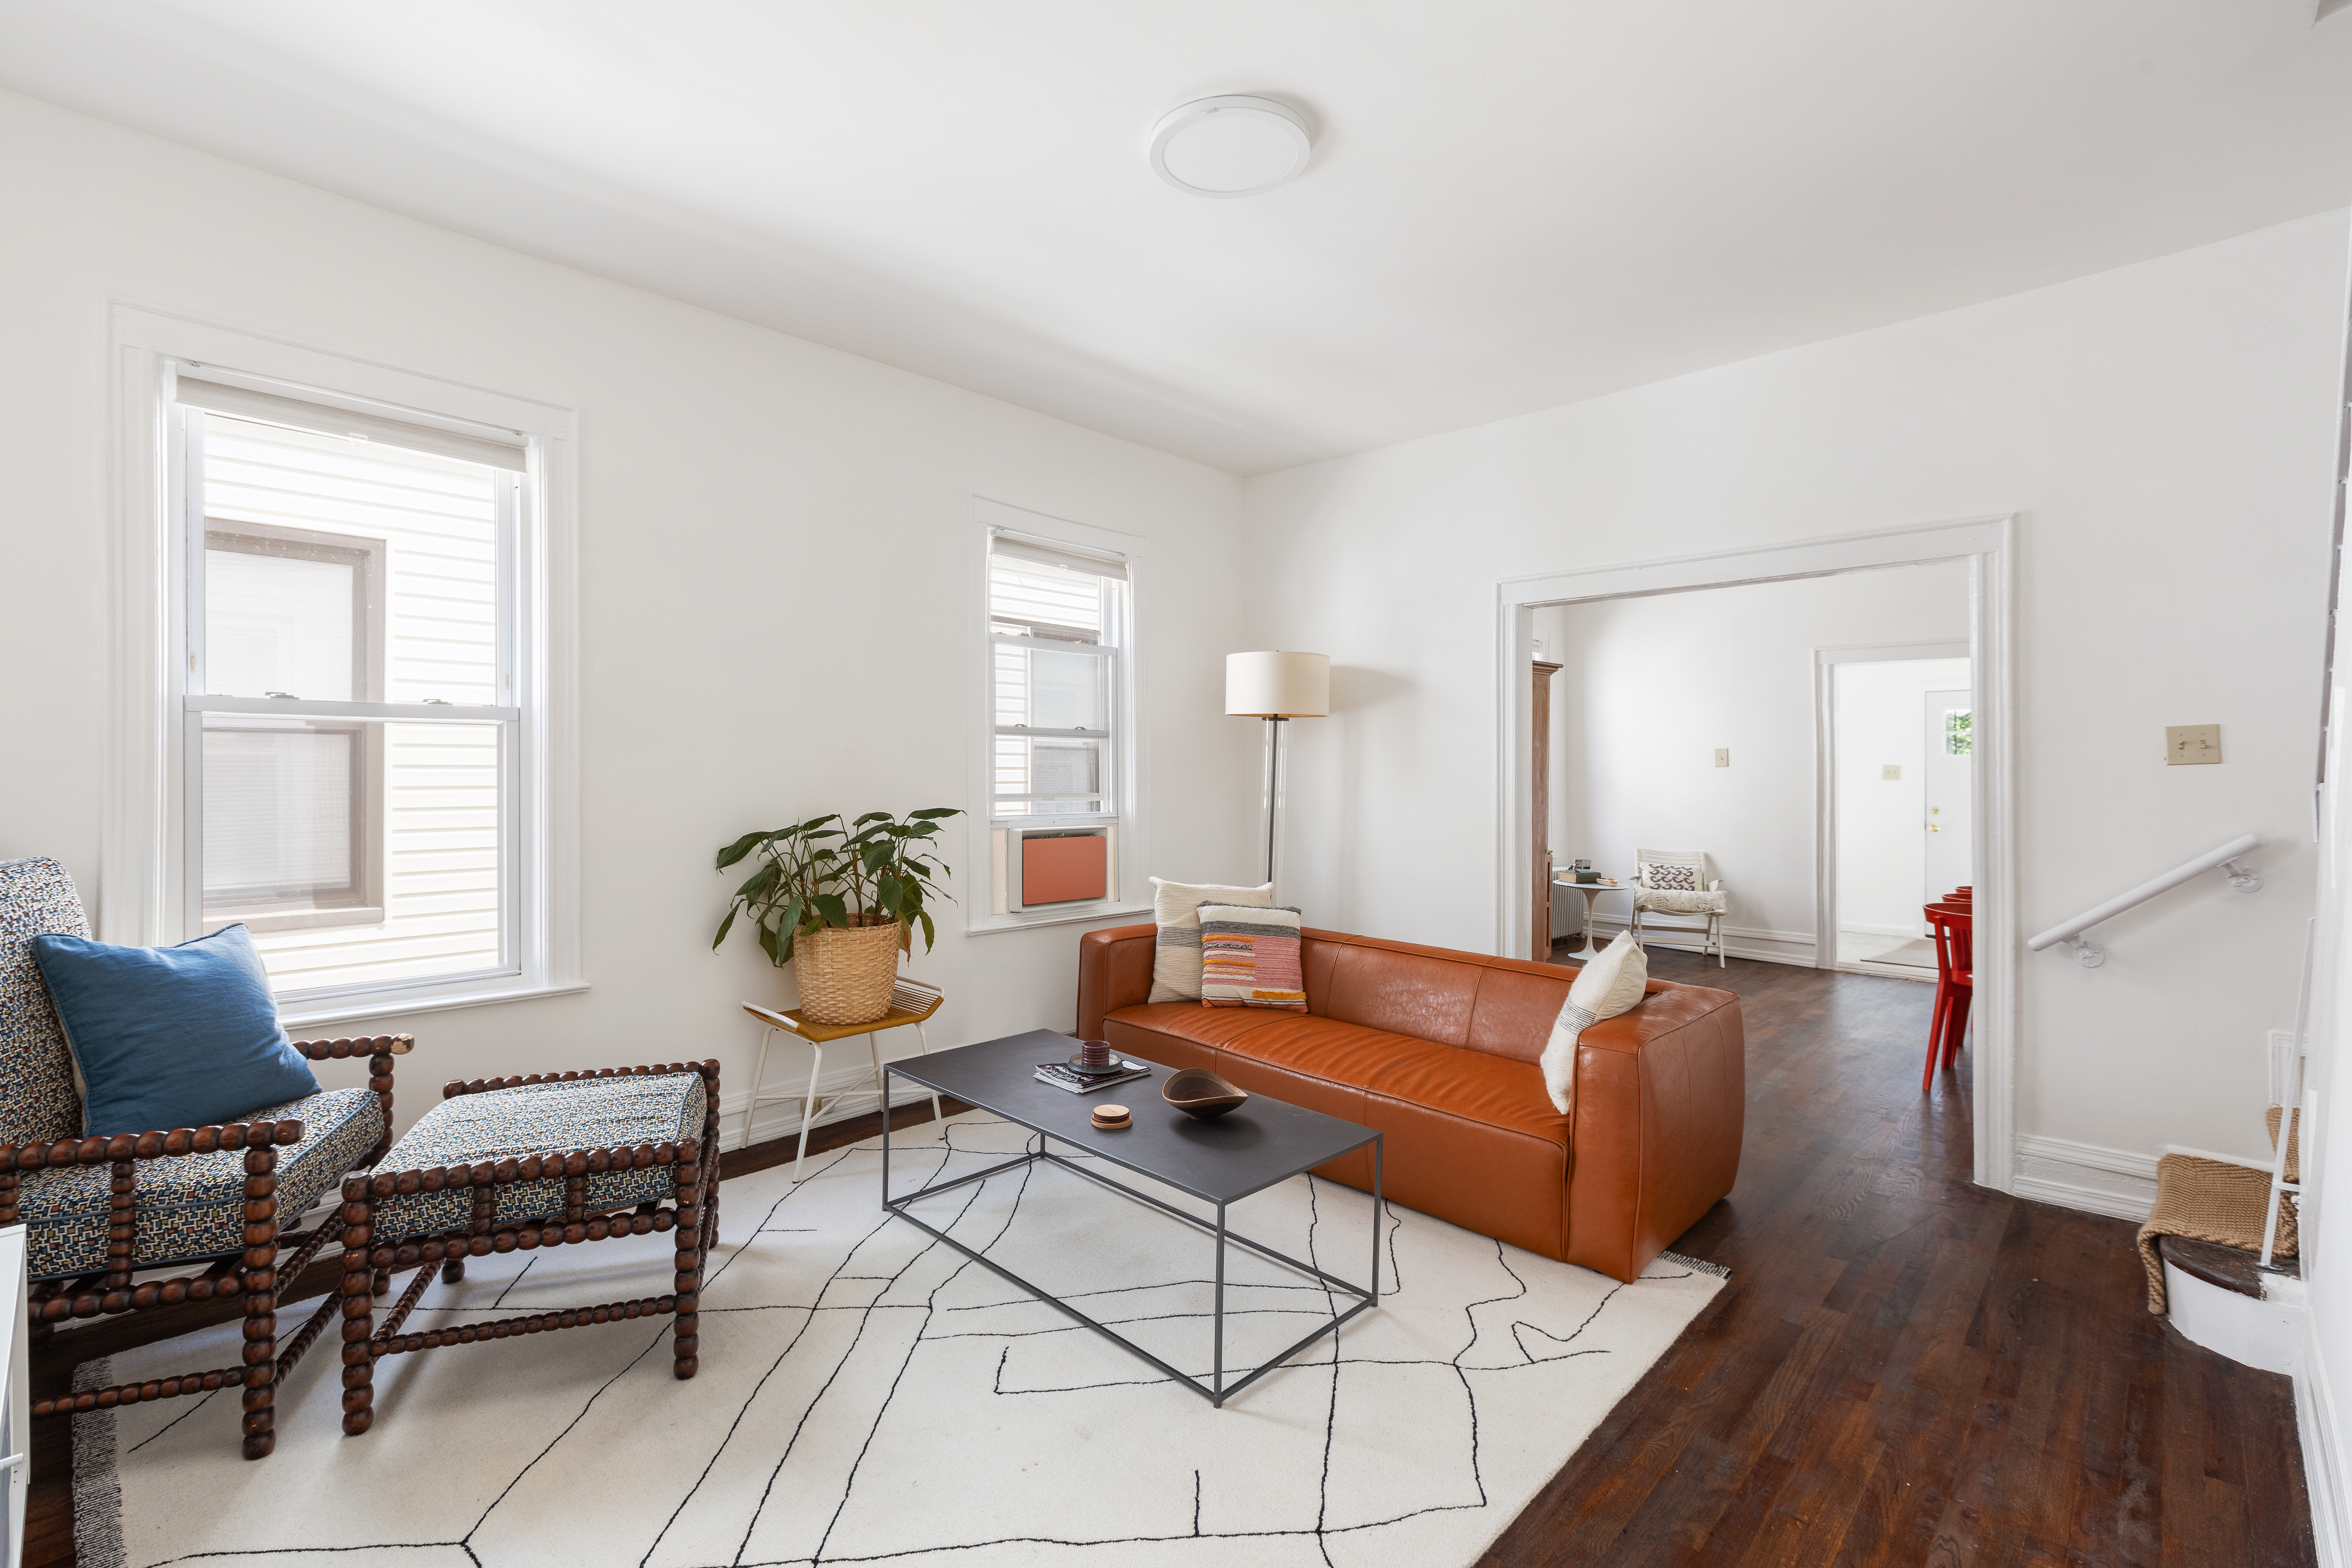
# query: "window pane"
431,522
1066,690
280,625
1038,601
1076,770
284,818
344,885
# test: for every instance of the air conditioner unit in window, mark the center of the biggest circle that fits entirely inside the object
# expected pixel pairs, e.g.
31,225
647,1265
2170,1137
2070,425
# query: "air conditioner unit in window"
1045,866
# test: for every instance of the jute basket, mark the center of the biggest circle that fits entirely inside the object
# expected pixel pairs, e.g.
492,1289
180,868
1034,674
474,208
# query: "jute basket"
844,975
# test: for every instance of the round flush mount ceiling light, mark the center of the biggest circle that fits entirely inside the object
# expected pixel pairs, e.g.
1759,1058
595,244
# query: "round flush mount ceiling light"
1229,146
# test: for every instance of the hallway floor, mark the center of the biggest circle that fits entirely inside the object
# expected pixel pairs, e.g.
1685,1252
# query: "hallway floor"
1910,1369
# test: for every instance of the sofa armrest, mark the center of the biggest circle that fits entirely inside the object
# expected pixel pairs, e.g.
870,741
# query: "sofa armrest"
1114,971
1660,1104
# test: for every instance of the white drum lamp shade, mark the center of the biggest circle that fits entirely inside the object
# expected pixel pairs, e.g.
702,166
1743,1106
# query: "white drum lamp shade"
1278,685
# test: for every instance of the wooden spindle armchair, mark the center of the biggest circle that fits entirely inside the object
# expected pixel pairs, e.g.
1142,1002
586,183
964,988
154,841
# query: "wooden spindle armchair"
98,1212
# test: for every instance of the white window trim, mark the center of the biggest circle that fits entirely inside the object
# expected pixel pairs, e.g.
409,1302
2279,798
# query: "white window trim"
975,876
142,897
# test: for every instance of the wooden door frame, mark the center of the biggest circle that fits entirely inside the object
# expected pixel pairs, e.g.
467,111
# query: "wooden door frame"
1540,810
1988,546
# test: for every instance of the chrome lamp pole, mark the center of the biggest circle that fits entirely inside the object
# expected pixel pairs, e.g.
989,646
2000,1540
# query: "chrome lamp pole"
1277,688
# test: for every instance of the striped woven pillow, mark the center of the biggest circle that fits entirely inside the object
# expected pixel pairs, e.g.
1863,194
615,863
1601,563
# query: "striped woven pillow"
1249,957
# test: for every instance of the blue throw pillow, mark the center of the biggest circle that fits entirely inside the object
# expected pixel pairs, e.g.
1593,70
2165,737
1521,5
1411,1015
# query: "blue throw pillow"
171,1036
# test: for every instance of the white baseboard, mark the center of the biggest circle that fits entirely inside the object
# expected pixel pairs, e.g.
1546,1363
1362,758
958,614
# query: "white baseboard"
2322,1452
1739,942
2086,1176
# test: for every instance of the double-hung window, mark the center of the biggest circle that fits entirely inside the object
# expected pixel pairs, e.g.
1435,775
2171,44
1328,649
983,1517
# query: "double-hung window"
352,715
1060,737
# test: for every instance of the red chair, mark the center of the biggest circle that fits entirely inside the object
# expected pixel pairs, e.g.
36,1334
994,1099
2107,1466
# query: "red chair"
1954,983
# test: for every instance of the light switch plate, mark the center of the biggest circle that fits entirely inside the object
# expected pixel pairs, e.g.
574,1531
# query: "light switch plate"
1891,772
2191,744
1723,756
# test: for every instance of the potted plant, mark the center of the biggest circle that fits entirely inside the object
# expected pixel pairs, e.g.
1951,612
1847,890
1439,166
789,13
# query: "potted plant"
839,901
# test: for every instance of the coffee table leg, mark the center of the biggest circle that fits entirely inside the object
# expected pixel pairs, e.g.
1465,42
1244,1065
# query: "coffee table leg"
1379,1147
1217,1373
886,1138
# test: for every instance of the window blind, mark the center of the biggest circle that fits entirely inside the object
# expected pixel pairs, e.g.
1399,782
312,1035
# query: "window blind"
1039,553
243,403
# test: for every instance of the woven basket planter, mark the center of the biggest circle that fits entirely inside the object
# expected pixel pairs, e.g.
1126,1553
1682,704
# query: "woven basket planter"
845,975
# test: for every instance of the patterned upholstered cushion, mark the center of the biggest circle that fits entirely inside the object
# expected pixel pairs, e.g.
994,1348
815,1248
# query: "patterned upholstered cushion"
38,1101
195,1207
1672,879
542,1118
1249,957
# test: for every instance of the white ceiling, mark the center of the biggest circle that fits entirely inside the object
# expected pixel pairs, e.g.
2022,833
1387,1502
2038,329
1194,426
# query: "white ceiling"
1513,203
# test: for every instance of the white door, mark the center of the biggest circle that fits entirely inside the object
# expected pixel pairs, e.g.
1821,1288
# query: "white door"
1951,756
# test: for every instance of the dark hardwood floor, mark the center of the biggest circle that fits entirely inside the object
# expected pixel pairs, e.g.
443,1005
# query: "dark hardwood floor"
1907,1368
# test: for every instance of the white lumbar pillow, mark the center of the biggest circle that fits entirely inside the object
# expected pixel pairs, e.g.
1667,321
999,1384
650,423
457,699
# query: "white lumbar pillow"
1608,985
1176,957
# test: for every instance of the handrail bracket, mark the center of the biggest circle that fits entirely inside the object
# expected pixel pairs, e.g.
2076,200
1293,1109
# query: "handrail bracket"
2242,876
2087,953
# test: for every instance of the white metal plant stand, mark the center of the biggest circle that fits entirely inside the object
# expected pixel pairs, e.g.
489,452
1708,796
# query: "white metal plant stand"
911,1002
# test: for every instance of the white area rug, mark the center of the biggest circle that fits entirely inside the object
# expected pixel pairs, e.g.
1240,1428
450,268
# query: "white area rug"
868,1394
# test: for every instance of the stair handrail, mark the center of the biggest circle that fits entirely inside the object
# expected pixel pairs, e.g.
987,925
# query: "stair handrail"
2245,878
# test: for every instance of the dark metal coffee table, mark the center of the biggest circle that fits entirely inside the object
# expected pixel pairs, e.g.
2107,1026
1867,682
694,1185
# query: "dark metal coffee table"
1220,1162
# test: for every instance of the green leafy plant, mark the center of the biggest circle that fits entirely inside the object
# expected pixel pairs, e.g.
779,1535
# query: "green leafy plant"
825,872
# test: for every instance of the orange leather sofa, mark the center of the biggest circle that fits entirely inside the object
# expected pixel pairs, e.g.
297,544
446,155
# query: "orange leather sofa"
1439,1051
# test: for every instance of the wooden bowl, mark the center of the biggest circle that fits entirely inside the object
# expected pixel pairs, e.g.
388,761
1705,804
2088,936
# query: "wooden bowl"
1201,1094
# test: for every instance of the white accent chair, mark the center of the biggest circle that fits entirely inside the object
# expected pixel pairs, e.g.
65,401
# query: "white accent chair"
1651,898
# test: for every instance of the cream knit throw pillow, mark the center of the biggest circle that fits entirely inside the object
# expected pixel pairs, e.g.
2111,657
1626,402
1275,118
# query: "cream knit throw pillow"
1608,985
1176,959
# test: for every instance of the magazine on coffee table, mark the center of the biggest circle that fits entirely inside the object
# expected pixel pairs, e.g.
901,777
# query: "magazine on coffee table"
1060,1076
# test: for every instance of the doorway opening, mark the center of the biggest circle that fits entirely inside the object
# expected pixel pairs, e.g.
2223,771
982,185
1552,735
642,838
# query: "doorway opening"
1899,774
1687,750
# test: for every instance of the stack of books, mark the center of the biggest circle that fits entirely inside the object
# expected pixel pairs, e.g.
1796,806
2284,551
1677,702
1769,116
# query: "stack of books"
1061,1075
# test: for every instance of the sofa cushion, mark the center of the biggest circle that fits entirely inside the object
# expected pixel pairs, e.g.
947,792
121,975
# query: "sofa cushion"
1404,993
194,1206
542,1118
1473,1137
1337,1053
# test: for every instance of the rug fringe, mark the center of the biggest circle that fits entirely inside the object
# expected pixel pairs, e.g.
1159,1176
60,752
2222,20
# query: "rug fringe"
1720,1270
97,1492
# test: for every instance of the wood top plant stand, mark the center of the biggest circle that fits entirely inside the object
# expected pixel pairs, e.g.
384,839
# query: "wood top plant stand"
911,1003
370,1257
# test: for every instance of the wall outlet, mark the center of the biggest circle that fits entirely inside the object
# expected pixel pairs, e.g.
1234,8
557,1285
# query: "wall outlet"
1723,756
1892,772
2282,1064
2192,743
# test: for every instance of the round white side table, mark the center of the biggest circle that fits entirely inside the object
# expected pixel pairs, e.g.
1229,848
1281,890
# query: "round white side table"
1591,892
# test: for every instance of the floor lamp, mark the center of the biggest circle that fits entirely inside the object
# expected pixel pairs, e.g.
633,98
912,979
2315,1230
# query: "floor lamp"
1277,688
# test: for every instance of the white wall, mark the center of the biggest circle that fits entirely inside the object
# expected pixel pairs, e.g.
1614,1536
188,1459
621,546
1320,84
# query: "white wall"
774,548
2164,432
1881,720
1650,688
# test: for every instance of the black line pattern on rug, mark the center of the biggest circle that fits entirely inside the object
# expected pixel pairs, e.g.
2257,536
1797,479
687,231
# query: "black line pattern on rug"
1547,1348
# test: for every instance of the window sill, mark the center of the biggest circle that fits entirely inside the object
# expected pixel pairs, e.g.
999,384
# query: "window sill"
354,1009
1096,916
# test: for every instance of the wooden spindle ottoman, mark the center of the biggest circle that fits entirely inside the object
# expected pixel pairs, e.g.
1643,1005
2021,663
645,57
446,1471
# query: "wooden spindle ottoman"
512,1164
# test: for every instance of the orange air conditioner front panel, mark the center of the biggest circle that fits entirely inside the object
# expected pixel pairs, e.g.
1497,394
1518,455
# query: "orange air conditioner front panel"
1063,870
